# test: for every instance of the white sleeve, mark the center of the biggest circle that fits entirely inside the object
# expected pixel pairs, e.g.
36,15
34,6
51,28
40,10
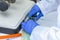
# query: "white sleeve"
45,33
58,19
58,1
47,5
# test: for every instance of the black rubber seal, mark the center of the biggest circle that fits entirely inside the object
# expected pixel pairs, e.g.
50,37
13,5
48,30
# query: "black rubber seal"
10,31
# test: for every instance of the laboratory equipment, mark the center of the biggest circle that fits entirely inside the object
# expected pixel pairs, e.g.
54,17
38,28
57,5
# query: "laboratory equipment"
4,4
11,22
11,1
34,1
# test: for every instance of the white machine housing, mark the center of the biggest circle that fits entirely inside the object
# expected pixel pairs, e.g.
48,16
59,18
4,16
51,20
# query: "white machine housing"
16,13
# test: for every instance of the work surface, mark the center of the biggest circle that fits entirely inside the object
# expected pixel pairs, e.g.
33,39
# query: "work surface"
15,14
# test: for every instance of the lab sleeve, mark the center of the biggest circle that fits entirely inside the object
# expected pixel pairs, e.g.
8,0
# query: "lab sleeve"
45,33
58,19
47,6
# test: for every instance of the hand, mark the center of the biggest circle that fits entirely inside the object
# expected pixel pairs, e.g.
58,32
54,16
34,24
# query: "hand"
29,25
35,11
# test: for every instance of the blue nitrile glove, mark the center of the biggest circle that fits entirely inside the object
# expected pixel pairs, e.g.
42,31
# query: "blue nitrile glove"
29,25
35,9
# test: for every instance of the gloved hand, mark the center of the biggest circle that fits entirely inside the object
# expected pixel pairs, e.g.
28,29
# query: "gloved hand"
35,11
29,25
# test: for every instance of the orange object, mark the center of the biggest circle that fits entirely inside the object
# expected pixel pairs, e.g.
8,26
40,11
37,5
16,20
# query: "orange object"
11,36
3,39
